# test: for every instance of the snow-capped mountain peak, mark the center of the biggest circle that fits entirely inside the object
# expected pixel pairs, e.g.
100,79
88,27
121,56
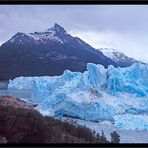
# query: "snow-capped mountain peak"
48,49
113,54
118,56
52,34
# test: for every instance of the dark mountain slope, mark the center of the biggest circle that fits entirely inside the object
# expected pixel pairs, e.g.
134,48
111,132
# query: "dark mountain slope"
47,53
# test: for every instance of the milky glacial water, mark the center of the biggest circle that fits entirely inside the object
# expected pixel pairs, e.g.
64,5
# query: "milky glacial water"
24,93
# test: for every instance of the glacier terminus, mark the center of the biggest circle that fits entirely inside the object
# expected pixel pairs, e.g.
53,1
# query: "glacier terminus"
118,95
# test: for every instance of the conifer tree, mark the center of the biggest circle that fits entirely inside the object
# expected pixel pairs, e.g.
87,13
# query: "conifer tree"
115,138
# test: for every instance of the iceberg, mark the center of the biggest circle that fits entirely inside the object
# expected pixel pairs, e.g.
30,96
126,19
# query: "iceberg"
95,95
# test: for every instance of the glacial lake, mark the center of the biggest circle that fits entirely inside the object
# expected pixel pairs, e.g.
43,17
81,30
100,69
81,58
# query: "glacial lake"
24,93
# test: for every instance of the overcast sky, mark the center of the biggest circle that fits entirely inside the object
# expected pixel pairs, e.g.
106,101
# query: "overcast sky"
121,27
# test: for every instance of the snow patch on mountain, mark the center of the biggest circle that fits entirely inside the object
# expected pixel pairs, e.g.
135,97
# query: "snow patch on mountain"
115,55
45,36
108,52
40,37
95,95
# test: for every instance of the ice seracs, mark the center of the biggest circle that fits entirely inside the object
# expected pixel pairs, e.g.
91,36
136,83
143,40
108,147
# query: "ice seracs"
97,94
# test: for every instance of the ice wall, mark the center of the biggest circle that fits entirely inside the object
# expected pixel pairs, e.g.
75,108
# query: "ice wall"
97,94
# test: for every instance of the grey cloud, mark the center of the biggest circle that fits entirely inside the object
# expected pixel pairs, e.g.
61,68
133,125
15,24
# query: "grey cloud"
131,20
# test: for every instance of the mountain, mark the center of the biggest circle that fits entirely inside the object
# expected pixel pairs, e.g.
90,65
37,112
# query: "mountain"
120,58
47,53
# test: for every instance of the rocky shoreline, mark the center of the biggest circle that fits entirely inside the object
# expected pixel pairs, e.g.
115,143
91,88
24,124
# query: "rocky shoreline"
6,100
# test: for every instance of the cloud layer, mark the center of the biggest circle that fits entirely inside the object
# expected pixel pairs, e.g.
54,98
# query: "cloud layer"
114,26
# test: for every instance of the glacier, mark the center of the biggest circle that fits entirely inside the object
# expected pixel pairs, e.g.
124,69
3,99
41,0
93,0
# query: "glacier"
98,94
131,122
